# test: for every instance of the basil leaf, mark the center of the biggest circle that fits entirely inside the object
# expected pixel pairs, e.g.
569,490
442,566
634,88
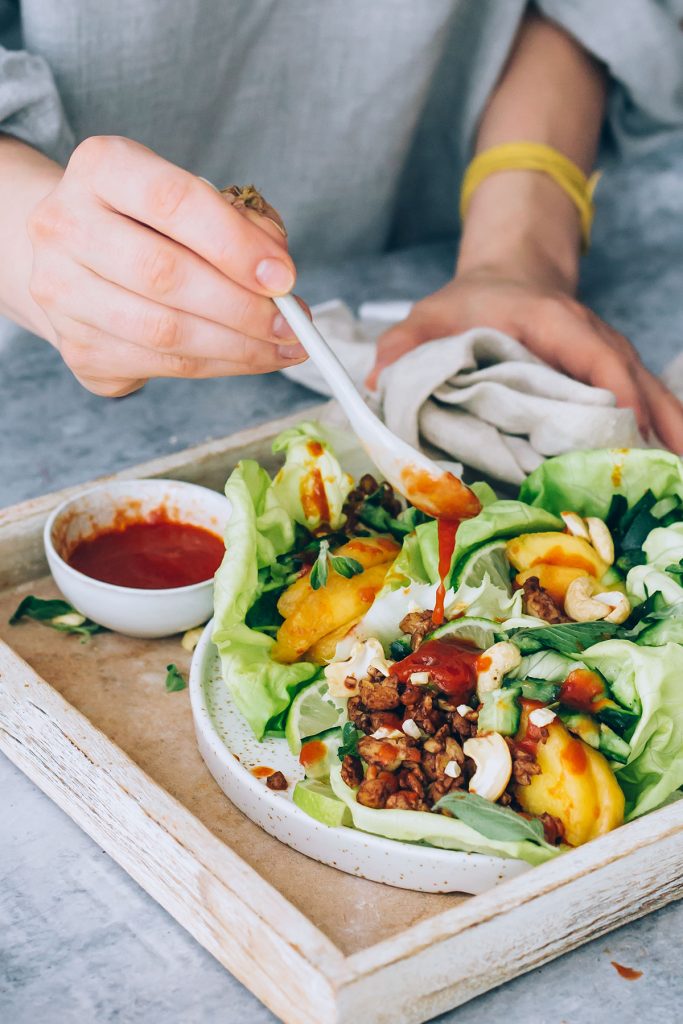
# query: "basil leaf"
56,614
174,679
346,567
676,570
349,743
492,820
571,638
320,570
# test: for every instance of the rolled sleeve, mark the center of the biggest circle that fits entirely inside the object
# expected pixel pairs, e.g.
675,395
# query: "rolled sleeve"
30,106
641,44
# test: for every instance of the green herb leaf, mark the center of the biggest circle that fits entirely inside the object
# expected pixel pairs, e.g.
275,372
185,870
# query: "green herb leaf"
174,679
320,570
56,614
346,567
569,639
349,743
676,570
492,820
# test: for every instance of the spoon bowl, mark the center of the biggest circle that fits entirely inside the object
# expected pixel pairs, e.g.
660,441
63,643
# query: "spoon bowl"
435,491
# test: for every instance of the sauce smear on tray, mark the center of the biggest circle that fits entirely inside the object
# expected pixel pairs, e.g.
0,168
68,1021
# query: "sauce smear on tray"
155,554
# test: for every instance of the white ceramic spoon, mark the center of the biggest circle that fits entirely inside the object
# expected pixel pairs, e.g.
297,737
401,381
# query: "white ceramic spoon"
430,488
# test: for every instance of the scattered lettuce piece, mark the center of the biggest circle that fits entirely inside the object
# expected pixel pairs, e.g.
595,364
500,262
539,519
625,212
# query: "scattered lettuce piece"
175,680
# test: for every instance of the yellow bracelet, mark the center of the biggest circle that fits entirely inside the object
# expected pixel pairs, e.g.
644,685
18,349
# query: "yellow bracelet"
534,156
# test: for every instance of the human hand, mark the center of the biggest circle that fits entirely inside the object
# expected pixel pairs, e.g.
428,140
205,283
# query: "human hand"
552,325
144,270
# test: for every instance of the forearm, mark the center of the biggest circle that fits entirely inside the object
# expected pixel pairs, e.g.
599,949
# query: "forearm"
26,177
551,91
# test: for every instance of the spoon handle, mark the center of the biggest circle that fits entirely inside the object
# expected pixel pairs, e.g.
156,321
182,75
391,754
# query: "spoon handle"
341,385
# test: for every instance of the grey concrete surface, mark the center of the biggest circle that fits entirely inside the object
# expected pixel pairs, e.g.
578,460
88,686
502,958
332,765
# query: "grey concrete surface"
80,943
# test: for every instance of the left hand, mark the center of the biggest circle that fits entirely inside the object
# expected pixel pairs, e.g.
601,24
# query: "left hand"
551,324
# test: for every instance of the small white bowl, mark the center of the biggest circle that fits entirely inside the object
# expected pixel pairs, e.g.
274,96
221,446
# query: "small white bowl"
132,610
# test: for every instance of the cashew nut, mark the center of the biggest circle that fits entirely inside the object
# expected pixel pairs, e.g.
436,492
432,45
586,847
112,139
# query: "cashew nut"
364,655
191,638
579,603
494,663
492,757
618,602
575,525
601,539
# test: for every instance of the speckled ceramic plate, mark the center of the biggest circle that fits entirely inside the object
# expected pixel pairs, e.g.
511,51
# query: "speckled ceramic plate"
231,752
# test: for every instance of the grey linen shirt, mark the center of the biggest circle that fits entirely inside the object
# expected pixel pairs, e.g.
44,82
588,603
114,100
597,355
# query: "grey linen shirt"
355,117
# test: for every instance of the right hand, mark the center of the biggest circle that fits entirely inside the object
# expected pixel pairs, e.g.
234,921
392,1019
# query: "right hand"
144,270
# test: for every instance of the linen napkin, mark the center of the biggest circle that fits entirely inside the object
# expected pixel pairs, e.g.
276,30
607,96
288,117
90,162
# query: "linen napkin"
479,397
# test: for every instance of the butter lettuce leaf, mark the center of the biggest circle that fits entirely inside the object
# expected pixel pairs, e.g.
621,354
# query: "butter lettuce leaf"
259,529
586,481
434,829
311,486
646,679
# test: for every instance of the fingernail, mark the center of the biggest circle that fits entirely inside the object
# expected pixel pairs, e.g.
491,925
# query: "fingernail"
292,351
281,328
275,276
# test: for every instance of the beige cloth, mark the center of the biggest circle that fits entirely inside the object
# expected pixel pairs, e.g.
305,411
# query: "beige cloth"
480,397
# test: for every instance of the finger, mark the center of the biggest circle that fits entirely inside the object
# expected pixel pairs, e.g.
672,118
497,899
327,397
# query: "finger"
87,299
95,353
132,179
110,388
585,351
144,262
666,412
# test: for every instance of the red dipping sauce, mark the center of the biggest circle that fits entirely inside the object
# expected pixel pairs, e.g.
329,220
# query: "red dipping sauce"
156,554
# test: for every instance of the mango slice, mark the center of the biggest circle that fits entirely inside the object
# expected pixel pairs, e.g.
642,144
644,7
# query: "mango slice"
323,611
561,549
553,578
368,551
576,784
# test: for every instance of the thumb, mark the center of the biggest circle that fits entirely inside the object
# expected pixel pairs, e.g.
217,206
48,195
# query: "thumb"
394,343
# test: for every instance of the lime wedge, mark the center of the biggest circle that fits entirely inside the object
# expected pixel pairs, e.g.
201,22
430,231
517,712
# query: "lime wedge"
489,558
312,711
470,629
317,799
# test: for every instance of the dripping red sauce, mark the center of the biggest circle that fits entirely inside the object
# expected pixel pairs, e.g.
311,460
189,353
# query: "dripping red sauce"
451,664
447,530
262,771
580,690
155,553
530,735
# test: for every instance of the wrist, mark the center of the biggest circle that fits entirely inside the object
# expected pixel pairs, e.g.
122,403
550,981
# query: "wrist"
522,224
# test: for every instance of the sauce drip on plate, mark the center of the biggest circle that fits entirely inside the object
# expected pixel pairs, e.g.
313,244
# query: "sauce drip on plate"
155,554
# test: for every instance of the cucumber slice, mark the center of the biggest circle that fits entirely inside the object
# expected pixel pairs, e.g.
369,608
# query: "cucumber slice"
500,711
489,558
583,726
480,633
400,649
612,746
312,711
539,689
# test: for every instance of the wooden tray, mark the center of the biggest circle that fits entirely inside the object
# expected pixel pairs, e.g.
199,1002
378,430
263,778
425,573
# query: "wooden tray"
92,725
